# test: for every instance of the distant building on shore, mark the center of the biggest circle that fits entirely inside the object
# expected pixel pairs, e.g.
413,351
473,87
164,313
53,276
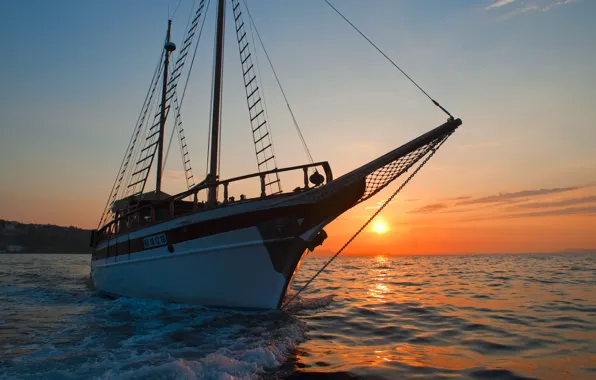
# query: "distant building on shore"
14,248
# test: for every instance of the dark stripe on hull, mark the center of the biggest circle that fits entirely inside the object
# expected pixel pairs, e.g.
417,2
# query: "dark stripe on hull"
273,223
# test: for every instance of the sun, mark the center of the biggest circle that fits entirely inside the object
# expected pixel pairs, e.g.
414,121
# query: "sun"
380,227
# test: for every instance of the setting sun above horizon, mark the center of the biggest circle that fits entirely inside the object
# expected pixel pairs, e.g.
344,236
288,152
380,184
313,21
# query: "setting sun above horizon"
380,227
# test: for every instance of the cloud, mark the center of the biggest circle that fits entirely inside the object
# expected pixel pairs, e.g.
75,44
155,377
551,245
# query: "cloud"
536,6
547,8
560,203
429,208
516,201
591,210
499,4
524,9
379,204
585,211
460,210
516,196
460,198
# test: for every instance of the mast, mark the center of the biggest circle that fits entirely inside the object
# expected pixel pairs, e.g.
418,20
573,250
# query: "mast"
216,110
168,48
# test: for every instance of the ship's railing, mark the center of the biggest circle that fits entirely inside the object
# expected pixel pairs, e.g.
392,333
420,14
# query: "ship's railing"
138,217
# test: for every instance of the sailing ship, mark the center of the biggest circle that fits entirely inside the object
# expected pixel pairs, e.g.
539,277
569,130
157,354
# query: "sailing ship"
223,251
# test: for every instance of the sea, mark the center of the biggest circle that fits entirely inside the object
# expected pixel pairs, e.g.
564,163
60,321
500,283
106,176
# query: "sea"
376,317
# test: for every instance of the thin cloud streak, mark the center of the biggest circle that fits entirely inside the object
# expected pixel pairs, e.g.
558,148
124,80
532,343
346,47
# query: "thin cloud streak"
428,208
561,203
460,198
504,197
499,4
379,204
536,7
586,211
551,6
519,11
518,199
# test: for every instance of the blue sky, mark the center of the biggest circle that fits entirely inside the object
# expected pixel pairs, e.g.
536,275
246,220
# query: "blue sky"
519,73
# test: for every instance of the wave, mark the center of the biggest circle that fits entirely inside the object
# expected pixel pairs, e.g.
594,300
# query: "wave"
369,322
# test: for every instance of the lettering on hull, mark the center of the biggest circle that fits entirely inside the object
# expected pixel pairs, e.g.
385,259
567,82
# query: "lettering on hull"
155,241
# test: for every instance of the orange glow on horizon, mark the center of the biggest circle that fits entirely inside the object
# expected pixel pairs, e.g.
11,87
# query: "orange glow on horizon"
415,228
433,225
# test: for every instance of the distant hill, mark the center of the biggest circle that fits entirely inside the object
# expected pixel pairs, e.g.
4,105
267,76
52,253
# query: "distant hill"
42,238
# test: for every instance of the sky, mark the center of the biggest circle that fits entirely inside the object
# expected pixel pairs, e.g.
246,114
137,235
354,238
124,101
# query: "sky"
518,176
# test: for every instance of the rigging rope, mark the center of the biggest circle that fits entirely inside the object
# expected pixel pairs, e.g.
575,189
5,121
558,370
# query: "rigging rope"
433,151
175,10
279,84
131,145
192,62
390,60
265,107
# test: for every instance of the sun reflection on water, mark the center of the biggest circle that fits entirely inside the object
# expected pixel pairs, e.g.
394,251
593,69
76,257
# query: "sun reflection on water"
448,316
381,260
378,289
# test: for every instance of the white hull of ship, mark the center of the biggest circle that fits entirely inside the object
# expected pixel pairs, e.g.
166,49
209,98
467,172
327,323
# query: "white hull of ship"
232,269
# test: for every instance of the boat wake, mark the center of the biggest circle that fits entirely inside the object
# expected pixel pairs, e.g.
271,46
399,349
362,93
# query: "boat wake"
134,339
306,303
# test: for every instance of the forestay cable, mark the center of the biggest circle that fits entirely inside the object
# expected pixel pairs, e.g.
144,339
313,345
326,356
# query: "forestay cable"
433,150
390,60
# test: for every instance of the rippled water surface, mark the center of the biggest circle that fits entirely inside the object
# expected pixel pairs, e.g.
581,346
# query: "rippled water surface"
476,316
